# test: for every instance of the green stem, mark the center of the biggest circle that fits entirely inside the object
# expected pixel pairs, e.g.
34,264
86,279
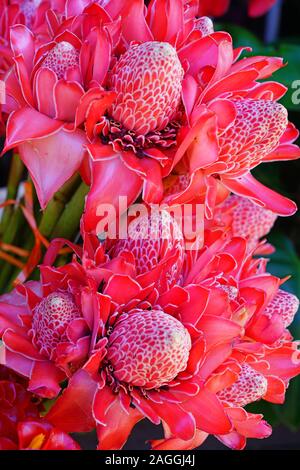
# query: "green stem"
15,225
14,178
68,223
48,218
56,206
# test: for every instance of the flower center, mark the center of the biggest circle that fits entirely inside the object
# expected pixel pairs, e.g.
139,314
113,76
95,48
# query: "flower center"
113,133
62,57
284,304
151,239
51,318
147,80
250,386
148,349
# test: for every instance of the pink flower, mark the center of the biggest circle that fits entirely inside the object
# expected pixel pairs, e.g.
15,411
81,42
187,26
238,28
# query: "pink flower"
230,325
219,150
156,247
47,86
213,134
125,385
135,141
27,12
45,329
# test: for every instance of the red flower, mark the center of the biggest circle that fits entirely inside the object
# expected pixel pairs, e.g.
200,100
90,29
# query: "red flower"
46,328
214,135
27,12
20,424
48,86
224,317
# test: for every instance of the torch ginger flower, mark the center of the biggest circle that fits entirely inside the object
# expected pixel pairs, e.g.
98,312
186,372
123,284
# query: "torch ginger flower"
247,220
49,322
218,323
230,337
46,86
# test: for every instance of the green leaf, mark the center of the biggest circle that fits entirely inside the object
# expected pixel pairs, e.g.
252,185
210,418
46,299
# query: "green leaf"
289,50
290,74
285,261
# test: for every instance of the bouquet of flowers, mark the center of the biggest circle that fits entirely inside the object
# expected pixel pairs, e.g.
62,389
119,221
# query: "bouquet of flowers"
133,271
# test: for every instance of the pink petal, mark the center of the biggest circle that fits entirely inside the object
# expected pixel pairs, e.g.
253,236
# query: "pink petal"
165,19
122,288
217,329
284,152
57,156
134,26
103,400
208,412
22,43
45,379
67,97
45,80
173,443
111,179
180,422
201,141
20,129
249,187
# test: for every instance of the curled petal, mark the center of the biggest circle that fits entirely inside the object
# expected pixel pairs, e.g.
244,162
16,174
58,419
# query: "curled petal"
248,186
57,156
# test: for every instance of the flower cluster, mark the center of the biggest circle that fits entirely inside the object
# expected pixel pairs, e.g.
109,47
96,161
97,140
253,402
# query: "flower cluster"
148,104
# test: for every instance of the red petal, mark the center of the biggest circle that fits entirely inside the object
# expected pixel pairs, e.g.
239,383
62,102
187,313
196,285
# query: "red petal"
67,97
174,443
72,412
20,129
208,412
247,186
45,379
180,422
218,330
111,179
45,80
122,288
118,427
22,42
